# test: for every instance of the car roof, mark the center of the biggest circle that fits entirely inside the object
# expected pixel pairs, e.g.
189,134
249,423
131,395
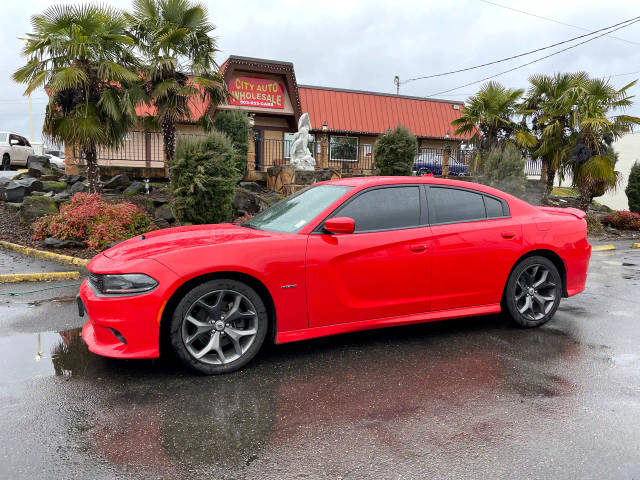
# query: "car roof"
371,181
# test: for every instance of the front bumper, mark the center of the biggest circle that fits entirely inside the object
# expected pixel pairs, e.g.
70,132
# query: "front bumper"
134,319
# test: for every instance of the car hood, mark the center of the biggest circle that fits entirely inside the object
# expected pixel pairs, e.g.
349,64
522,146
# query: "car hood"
158,242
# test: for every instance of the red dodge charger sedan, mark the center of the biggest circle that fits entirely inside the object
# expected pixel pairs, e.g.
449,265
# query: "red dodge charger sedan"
336,257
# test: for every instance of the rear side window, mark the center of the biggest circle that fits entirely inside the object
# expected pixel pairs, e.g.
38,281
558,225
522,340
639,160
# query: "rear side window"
494,207
388,208
453,205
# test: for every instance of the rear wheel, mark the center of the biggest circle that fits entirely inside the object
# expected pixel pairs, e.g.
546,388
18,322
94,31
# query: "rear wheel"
533,291
218,327
6,162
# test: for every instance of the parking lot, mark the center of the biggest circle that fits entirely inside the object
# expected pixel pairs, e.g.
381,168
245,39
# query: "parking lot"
470,398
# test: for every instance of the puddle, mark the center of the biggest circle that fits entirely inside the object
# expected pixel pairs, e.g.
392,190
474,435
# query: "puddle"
36,355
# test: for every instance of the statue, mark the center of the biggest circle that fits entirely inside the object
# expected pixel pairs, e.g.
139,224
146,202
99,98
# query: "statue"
300,155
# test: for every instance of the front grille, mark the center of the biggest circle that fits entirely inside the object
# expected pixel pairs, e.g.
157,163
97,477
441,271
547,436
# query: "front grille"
96,280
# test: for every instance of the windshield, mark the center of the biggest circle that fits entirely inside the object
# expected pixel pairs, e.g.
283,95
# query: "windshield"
295,211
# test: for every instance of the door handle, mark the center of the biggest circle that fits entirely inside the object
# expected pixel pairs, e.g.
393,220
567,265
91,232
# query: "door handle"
418,248
508,235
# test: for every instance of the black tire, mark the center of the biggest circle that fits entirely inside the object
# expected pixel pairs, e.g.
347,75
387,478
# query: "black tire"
530,299
6,162
220,290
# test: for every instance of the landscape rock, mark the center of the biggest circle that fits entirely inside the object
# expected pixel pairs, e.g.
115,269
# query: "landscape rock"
12,192
78,187
161,223
35,207
134,189
157,201
252,186
38,165
56,187
249,202
58,243
38,194
71,179
62,196
118,182
164,212
50,178
30,184
14,207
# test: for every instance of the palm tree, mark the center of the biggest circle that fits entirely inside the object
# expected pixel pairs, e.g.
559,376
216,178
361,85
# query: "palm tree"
549,108
83,56
174,39
594,159
489,115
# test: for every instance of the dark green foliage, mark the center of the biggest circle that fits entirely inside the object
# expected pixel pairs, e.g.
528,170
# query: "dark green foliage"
633,188
504,170
235,125
395,152
203,175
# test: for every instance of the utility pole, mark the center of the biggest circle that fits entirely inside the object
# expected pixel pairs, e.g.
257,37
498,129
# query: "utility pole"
30,121
396,80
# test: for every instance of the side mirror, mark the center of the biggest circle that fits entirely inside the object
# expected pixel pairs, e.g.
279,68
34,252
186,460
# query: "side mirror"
340,225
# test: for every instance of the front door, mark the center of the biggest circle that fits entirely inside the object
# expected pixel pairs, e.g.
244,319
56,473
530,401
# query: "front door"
381,270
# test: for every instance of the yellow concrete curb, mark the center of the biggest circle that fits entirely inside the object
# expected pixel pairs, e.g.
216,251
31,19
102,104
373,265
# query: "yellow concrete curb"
38,277
635,245
602,248
55,257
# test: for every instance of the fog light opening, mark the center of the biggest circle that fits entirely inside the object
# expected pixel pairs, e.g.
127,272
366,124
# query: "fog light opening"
118,335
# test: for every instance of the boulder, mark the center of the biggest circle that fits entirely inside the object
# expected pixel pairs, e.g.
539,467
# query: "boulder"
57,243
134,189
50,178
12,192
71,179
30,185
14,207
252,186
157,201
39,194
56,187
35,207
38,165
164,212
118,182
249,202
78,187
62,196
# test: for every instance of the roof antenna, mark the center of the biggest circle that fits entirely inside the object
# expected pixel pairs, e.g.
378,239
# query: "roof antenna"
396,80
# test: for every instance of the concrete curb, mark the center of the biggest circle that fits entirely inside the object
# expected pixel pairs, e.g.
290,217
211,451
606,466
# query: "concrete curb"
55,257
603,248
38,277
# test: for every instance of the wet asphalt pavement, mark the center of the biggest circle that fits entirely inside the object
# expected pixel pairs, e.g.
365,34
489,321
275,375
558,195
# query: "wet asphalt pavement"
472,398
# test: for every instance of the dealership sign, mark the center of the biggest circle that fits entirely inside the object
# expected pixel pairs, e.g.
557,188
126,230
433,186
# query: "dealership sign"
256,92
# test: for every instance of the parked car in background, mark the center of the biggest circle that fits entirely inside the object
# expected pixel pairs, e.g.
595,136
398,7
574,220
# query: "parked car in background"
55,160
337,257
431,163
14,150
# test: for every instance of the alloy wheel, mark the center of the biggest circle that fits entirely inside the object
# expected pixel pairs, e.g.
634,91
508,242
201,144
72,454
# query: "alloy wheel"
535,292
219,327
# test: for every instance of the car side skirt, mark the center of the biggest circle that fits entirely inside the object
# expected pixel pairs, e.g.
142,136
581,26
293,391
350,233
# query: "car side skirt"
307,333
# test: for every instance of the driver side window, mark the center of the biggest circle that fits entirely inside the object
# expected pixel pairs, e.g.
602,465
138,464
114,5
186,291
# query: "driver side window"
379,209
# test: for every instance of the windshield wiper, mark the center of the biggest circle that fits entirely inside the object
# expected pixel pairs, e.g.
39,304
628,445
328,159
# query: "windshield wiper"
246,225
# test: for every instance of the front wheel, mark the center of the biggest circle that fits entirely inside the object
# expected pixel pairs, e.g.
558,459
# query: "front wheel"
218,327
533,292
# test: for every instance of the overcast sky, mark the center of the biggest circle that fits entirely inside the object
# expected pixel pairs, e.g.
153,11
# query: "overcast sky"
363,44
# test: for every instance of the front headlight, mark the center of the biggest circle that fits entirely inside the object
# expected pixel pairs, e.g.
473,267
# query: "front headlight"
125,283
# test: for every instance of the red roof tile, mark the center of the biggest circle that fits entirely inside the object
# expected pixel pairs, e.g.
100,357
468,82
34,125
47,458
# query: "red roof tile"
369,112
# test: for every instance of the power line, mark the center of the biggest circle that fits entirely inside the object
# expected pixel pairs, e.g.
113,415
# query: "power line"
553,20
533,61
517,56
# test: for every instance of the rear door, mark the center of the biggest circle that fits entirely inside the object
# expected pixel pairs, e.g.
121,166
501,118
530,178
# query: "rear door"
382,269
475,244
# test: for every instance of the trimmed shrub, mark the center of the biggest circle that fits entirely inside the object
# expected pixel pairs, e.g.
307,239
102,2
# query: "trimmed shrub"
594,225
235,125
504,170
395,151
623,220
633,188
89,219
203,176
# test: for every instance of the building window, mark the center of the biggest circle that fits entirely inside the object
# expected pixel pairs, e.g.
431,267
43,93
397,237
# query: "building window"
343,149
288,140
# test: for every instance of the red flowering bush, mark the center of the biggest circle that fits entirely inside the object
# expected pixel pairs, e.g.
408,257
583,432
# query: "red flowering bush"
90,219
623,219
